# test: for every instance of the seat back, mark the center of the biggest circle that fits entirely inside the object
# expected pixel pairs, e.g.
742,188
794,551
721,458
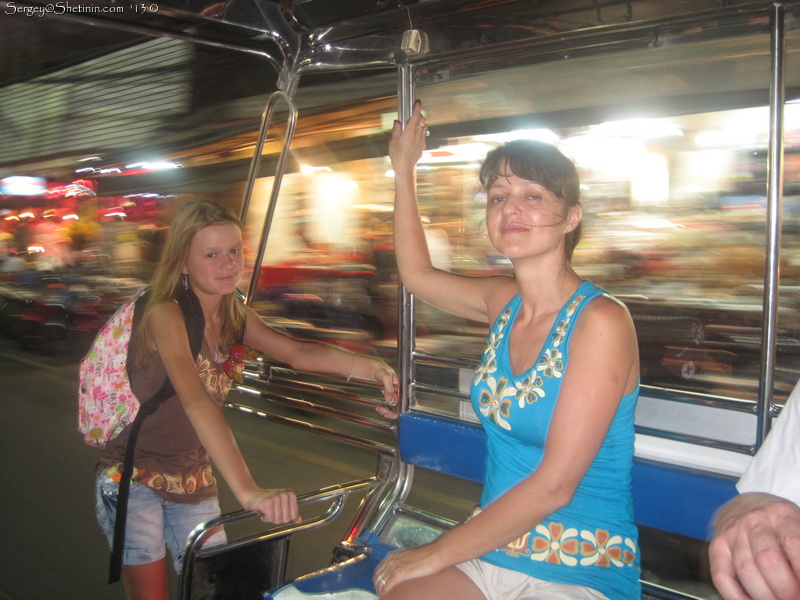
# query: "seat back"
666,497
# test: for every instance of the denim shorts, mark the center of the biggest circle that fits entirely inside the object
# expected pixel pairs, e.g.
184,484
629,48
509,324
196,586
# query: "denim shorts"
153,522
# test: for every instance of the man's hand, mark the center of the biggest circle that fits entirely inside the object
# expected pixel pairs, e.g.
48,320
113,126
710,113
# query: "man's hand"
755,552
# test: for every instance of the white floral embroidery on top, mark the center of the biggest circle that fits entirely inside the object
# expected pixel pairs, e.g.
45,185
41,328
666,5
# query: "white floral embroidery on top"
495,402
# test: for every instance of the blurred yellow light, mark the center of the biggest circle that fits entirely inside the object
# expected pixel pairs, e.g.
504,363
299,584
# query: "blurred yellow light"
650,180
308,169
645,129
540,135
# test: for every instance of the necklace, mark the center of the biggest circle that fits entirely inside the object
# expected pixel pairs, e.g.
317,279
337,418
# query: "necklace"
217,357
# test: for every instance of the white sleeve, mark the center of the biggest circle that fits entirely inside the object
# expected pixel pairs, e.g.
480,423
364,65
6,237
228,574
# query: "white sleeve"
775,469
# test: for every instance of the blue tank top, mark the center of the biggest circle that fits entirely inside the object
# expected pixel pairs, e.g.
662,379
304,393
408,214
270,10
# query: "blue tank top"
593,540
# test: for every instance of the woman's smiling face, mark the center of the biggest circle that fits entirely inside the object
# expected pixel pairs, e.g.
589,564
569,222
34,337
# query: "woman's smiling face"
215,262
524,217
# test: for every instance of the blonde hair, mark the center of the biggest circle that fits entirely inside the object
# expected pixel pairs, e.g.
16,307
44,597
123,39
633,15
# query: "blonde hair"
167,282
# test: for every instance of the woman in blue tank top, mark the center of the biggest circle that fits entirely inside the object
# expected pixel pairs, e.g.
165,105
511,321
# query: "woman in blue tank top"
555,391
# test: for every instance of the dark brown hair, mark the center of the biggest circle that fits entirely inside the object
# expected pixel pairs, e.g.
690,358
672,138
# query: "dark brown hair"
542,163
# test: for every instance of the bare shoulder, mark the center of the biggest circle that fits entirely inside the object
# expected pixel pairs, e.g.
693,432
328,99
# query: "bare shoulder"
607,306
607,316
605,338
165,313
168,329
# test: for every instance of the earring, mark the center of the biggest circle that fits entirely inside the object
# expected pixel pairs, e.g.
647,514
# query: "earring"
185,280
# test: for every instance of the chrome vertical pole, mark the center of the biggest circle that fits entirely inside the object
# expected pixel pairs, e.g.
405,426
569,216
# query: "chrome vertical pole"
773,234
398,476
401,474
406,337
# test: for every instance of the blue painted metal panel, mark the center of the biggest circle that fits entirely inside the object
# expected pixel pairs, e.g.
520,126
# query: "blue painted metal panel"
355,573
666,497
678,499
444,445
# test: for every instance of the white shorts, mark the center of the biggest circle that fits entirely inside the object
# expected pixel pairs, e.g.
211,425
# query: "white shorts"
497,583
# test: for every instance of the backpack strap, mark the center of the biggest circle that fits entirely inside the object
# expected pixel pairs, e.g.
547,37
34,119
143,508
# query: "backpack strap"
195,324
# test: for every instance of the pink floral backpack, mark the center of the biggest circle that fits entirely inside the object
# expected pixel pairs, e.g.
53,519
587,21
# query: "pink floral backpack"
106,404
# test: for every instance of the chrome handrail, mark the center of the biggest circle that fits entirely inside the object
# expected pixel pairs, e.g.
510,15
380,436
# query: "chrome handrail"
441,359
316,429
288,379
439,391
687,397
664,593
426,517
694,439
203,530
325,411
280,168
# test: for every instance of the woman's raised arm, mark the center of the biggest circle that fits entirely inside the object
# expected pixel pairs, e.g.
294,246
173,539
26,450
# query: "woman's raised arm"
460,295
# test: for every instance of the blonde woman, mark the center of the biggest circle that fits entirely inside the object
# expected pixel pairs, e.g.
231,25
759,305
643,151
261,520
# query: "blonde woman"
174,489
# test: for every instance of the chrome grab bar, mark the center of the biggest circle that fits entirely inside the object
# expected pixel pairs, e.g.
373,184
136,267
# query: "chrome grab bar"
291,123
316,409
336,493
310,383
317,429
651,591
